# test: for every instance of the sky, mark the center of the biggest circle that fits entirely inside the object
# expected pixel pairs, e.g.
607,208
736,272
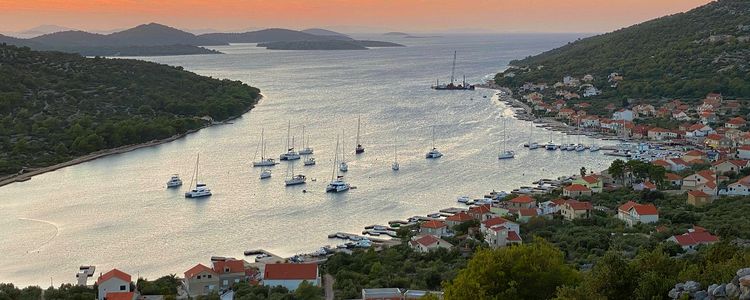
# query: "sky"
345,15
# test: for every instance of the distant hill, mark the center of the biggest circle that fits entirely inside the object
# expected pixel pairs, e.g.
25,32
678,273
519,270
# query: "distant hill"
327,33
685,55
326,45
396,33
57,106
16,41
143,40
265,35
45,29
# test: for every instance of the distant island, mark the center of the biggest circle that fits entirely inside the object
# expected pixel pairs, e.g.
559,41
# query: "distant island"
155,39
60,107
395,33
327,45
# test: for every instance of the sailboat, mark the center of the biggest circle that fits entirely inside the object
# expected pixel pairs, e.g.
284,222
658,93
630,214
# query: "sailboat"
290,153
395,166
452,85
434,153
264,161
265,173
359,149
337,183
532,145
580,147
505,154
200,190
550,145
306,149
295,179
343,166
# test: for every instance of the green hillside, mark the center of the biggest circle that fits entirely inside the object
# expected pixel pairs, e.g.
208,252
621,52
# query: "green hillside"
56,106
684,55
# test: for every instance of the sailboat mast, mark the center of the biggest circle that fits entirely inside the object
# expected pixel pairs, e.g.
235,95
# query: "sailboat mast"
303,136
433,137
334,172
262,145
358,123
288,130
343,152
453,70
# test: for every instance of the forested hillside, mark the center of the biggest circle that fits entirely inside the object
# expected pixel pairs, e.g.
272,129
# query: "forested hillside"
56,106
684,55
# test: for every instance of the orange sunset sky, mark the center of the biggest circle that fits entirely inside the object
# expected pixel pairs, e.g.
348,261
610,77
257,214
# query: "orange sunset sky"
351,15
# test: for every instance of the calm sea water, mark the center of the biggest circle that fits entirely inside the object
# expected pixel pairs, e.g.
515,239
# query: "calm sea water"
116,212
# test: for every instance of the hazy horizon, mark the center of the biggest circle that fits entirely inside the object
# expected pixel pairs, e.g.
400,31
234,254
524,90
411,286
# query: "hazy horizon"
365,16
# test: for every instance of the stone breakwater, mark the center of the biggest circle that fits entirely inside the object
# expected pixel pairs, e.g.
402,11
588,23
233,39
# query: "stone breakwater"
738,288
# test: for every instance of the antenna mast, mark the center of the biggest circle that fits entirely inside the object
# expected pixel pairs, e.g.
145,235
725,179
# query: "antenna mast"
453,70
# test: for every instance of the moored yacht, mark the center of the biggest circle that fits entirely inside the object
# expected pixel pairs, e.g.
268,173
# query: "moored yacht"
359,149
550,146
533,146
309,161
174,181
266,173
395,166
290,153
296,179
580,147
306,149
594,148
264,161
200,190
505,154
337,185
433,153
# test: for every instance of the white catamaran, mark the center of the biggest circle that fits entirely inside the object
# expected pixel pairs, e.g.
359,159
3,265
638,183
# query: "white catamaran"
359,149
200,190
264,161
294,179
505,154
434,153
306,149
337,183
290,153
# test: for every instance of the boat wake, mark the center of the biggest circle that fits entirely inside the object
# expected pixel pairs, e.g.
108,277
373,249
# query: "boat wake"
49,240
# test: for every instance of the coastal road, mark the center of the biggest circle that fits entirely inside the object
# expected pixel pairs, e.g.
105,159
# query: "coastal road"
328,285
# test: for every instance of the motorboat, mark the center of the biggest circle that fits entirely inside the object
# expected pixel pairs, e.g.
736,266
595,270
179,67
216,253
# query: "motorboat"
594,148
289,155
550,146
266,173
463,199
310,161
174,181
343,166
507,154
580,147
533,146
434,153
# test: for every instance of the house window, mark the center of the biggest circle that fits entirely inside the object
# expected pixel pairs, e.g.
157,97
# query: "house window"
226,269
123,287
226,282
209,276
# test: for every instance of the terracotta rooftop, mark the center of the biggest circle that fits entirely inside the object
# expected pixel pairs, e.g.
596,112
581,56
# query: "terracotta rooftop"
290,272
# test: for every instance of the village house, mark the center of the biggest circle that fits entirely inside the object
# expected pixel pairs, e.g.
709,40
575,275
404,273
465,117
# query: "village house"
674,179
200,281
680,115
645,186
590,121
290,275
694,155
694,238
457,219
743,152
593,182
573,209
525,214
698,130
729,166
717,141
551,207
735,123
230,271
523,201
501,236
697,180
114,281
588,78
487,225
565,113
480,213
661,134
633,213
434,227
698,198
739,188
591,91
623,114
576,190
708,117
427,243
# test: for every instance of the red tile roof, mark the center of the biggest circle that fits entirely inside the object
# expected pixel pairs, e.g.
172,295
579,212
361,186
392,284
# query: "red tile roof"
591,179
433,224
494,221
744,147
736,121
427,240
696,238
673,176
479,209
577,188
513,236
528,212
235,266
198,269
459,217
695,153
114,273
291,272
707,174
120,295
580,205
697,193
525,199
641,209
